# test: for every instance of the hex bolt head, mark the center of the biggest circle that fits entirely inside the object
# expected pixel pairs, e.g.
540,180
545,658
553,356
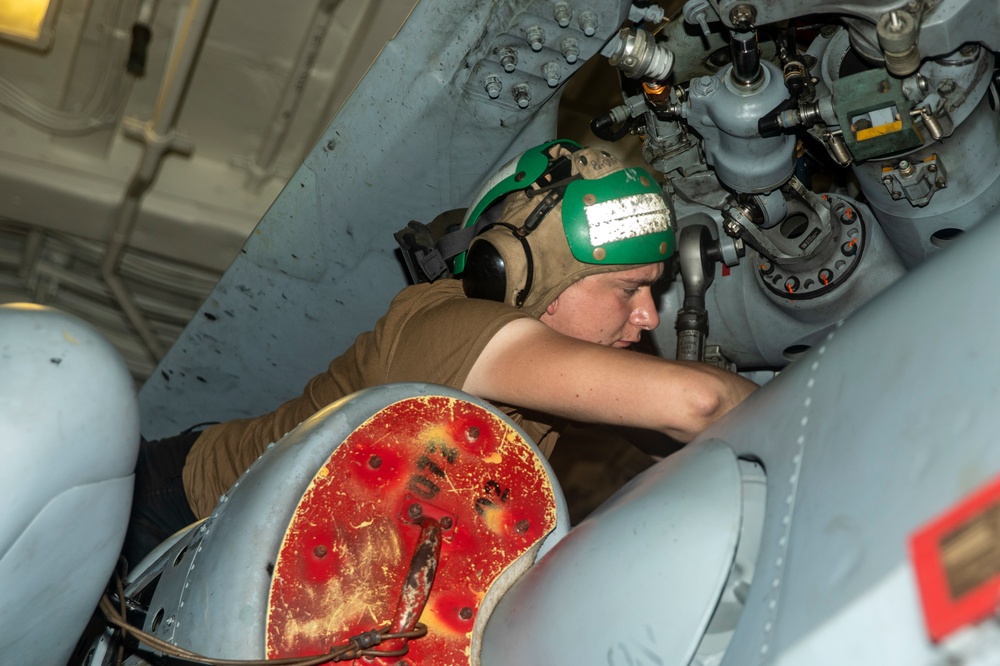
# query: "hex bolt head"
563,14
588,23
704,86
508,60
522,95
552,73
536,37
743,17
465,613
493,86
415,511
570,49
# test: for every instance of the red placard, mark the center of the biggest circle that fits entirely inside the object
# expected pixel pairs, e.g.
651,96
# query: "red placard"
957,563
348,548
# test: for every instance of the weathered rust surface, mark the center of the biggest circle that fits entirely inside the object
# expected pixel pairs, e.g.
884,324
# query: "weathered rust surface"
348,549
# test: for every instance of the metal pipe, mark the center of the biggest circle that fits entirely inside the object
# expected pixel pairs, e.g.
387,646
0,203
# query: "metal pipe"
158,137
291,96
746,58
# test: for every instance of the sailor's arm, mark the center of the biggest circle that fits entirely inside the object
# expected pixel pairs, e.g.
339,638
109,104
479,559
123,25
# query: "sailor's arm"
529,365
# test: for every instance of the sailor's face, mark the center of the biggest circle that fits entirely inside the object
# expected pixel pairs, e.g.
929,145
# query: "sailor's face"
610,309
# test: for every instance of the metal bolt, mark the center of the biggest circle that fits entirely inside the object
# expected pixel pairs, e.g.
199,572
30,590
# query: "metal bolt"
472,433
940,182
446,523
743,17
896,195
969,50
522,526
905,167
895,24
415,511
508,60
522,95
493,86
319,551
375,462
563,14
536,37
588,23
570,49
946,87
465,613
552,73
704,86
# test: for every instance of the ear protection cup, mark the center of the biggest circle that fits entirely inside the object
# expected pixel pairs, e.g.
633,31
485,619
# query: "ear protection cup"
499,266
485,274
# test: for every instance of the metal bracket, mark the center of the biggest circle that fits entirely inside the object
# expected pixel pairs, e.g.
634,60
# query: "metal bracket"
917,181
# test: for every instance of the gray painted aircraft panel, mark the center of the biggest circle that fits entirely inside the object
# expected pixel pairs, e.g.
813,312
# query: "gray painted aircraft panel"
417,136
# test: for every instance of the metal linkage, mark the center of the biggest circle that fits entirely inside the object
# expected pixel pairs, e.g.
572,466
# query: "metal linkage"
417,588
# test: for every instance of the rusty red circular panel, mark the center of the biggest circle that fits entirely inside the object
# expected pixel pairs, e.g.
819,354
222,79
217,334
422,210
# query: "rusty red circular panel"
345,555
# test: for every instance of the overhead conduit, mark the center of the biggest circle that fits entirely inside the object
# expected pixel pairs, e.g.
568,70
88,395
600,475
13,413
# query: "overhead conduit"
158,137
260,169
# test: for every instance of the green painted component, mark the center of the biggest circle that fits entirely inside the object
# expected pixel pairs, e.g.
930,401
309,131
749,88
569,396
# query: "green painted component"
869,91
648,230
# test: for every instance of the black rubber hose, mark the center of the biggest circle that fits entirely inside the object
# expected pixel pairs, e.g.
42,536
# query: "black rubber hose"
604,128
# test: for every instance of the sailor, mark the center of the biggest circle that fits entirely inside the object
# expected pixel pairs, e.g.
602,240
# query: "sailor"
555,286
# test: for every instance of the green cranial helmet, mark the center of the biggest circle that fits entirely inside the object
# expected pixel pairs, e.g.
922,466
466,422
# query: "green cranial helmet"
559,213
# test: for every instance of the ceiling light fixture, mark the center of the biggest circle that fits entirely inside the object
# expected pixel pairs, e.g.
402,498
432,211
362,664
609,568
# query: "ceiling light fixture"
28,22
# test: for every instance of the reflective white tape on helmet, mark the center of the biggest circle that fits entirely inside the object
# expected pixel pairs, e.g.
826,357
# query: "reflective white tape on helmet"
627,217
